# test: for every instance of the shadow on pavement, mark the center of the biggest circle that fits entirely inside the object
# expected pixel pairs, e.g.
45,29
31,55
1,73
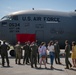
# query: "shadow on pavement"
72,69
49,69
7,67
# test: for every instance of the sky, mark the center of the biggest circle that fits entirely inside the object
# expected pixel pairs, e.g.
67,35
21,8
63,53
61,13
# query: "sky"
9,6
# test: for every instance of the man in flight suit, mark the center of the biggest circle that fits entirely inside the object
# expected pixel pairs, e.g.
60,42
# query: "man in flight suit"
4,53
0,47
67,53
34,51
26,49
18,52
57,52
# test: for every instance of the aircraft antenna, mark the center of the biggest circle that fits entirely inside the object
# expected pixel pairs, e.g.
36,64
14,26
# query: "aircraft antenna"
32,8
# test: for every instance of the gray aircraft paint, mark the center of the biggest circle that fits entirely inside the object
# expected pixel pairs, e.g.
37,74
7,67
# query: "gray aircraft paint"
46,24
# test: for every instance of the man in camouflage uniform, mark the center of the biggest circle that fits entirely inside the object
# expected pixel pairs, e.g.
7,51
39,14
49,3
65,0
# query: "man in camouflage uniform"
18,52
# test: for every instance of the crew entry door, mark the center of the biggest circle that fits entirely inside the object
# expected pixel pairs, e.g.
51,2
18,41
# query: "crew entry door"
40,35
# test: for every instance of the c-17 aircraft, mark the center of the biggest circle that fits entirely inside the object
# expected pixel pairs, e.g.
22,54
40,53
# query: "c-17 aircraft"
41,25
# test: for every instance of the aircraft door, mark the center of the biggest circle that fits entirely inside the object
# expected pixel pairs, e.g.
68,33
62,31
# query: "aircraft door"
40,35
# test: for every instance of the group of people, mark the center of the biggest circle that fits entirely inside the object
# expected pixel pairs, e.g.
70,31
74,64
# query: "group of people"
33,51
54,52
30,53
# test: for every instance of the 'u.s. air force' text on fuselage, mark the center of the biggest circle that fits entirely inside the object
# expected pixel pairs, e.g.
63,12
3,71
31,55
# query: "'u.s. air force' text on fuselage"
56,19
24,18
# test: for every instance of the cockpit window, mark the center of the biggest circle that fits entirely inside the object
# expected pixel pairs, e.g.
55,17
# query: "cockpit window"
6,18
14,17
10,18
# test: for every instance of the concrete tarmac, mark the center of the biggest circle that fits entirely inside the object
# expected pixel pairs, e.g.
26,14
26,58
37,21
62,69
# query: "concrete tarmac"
15,69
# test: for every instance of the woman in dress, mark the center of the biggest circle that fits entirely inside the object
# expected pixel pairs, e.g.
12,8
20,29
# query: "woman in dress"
74,53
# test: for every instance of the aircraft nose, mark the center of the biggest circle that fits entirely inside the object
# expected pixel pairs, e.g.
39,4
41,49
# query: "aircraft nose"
0,24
